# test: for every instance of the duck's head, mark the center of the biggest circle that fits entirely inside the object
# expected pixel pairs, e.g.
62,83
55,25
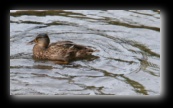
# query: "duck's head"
42,40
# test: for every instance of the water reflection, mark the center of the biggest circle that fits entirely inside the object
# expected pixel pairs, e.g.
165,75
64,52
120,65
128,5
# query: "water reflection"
128,62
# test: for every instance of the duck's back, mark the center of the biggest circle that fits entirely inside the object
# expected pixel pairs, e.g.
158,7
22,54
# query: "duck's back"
67,50
68,45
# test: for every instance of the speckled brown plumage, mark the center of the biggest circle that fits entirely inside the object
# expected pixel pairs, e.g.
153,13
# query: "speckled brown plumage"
59,51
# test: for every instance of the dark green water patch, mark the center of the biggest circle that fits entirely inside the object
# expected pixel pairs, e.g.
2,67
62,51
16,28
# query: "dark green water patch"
52,13
141,13
145,49
133,26
35,22
27,22
32,67
120,60
45,75
139,88
106,73
152,73
44,13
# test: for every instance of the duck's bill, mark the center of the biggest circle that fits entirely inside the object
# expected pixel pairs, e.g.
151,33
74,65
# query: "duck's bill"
31,42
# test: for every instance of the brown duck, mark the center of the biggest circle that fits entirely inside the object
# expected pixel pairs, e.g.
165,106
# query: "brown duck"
62,51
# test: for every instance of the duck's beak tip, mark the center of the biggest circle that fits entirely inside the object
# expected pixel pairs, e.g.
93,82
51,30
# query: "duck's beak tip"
31,42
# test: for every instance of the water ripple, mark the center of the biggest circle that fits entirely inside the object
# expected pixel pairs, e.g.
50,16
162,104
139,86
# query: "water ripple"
128,62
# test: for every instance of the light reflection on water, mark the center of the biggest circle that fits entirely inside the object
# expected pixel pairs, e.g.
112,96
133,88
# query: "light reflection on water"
128,62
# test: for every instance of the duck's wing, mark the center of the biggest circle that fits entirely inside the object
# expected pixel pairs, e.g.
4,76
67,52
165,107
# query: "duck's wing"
62,44
67,44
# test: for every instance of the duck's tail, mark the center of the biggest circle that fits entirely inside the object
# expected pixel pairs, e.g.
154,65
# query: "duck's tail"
89,51
92,49
96,50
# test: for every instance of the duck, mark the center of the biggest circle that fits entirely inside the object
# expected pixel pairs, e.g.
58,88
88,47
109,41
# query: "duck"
61,51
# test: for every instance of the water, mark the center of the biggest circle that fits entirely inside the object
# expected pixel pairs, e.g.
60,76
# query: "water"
128,62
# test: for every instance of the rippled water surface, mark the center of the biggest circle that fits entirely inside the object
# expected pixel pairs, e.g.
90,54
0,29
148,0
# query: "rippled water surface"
128,62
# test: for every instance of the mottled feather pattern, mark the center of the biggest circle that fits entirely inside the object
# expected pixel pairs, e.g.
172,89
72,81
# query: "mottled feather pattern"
61,50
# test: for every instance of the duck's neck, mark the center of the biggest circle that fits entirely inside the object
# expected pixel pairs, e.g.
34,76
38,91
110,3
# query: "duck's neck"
39,51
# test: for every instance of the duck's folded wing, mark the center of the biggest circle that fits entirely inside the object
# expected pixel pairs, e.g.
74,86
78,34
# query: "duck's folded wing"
61,44
67,44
